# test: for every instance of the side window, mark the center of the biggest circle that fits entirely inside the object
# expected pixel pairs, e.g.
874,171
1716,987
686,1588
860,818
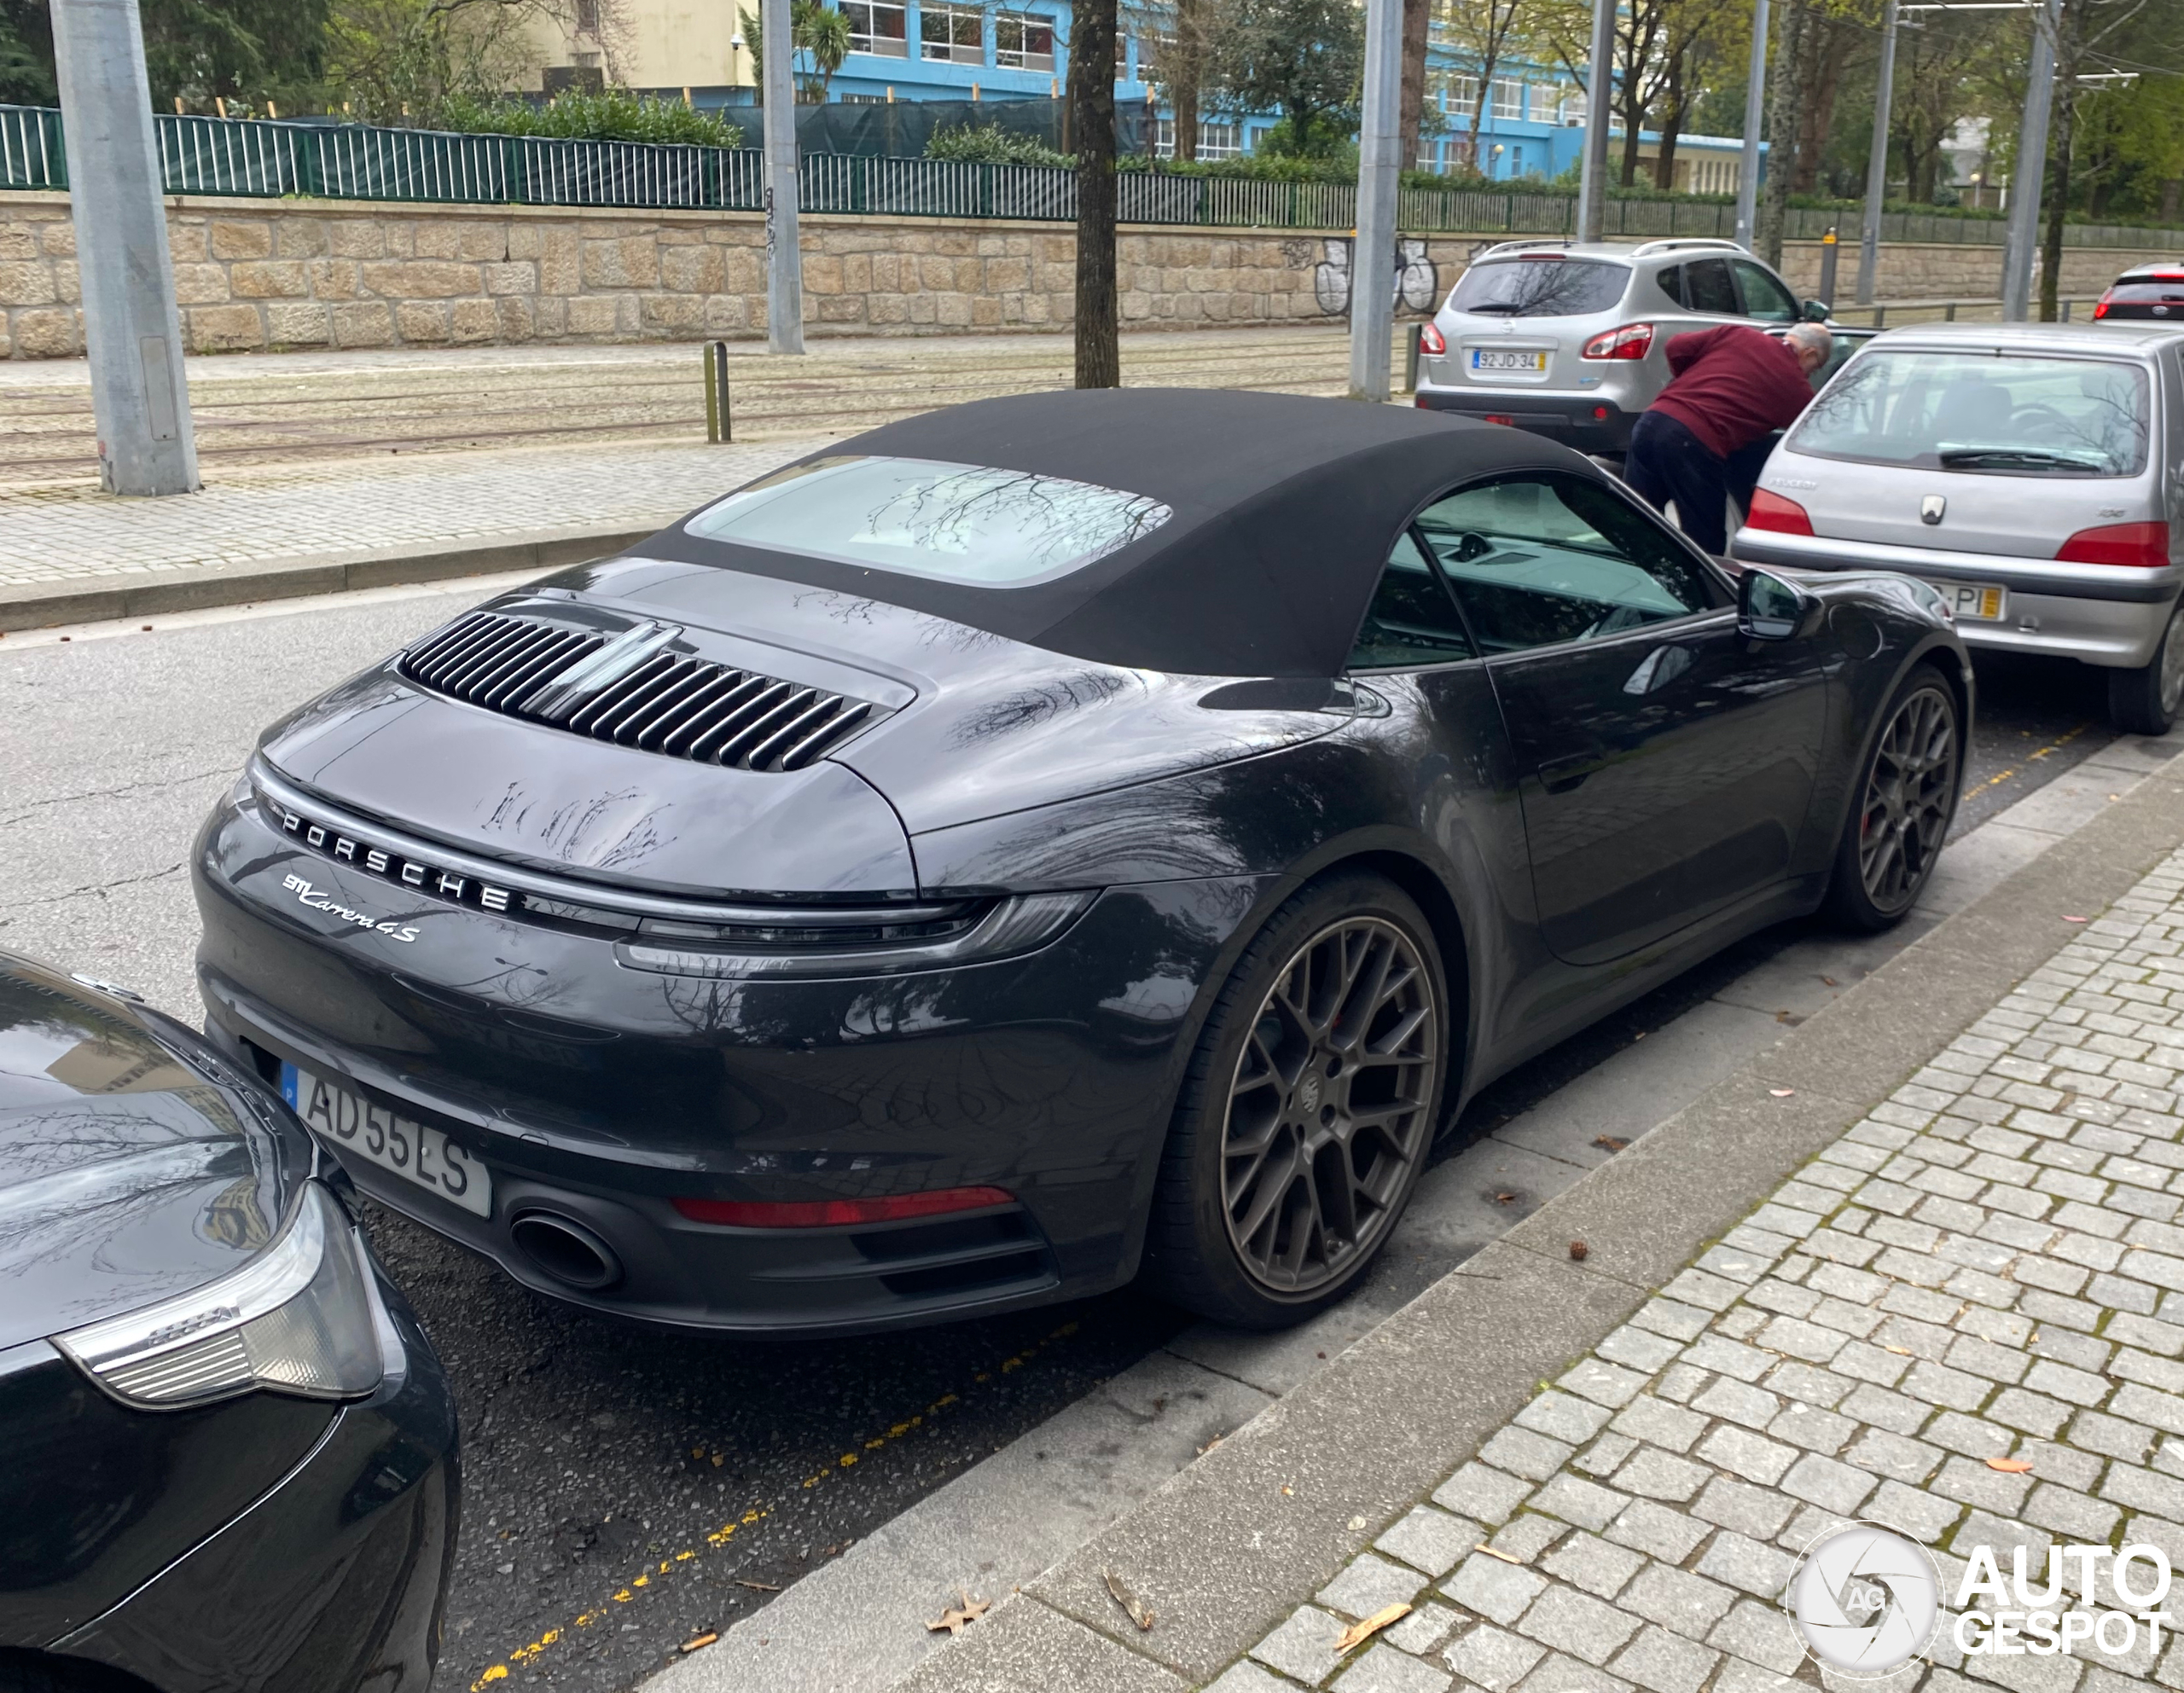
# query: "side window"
1412,620
1764,298
1709,287
1670,282
1542,558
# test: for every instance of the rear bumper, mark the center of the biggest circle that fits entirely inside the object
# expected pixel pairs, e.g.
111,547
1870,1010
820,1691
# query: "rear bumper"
1042,1075
2109,615
337,1579
1591,423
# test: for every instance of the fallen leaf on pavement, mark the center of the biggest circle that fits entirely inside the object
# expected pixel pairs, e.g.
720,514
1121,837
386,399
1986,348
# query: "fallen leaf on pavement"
1491,1552
1614,1143
1133,1607
1828,981
1505,1198
757,1586
2010,1466
702,1640
1900,1351
958,1618
1578,1250
2076,919
1359,1633
1781,1093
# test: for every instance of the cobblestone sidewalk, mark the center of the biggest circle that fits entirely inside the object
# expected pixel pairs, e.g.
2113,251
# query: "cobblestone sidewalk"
433,502
1988,1266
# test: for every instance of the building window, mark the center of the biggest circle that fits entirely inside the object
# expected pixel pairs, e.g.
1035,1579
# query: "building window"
1457,89
587,17
1023,41
877,27
1215,141
1122,57
1508,99
955,33
1429,155
1570,109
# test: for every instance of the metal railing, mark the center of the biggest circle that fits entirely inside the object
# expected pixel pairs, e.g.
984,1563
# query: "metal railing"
356,161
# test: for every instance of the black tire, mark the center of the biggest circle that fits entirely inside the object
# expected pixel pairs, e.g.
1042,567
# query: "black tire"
2144,700
1289,1160
1901,807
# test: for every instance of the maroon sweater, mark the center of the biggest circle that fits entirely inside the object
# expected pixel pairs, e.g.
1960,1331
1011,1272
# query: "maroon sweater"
1732,385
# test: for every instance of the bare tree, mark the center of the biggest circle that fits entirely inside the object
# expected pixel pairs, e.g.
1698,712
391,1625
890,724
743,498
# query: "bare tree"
1410,103
1783,89
1092,124
1488,33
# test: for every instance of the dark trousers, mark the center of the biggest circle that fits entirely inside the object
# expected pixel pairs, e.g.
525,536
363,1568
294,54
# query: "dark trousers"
1667,461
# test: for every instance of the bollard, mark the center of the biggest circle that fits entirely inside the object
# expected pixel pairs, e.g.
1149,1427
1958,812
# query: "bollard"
1410,358
1949,316
1827,250
717,425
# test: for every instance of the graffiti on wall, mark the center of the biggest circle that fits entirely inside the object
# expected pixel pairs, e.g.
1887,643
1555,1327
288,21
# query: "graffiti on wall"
1418,283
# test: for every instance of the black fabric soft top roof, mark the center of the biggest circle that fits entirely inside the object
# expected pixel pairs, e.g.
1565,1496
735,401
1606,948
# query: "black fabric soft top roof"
1285,509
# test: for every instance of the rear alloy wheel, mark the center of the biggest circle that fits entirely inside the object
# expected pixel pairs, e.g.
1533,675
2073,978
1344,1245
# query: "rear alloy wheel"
1309,1111
2144,700
1907,795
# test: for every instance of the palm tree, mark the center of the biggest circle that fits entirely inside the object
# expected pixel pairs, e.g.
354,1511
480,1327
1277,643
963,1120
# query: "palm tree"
817,32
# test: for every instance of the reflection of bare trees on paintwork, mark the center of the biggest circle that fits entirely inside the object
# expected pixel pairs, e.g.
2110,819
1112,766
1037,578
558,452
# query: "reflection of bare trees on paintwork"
1041,702
1059,522
1536,288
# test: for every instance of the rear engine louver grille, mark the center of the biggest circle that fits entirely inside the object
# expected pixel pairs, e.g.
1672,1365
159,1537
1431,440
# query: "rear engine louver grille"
670,703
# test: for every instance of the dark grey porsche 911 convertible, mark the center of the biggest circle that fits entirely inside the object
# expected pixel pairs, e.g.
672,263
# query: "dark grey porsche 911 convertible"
1042,840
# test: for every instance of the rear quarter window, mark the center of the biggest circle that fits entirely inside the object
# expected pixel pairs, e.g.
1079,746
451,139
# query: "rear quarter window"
1539,287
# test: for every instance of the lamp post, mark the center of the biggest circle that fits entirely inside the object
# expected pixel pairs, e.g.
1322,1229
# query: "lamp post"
784,256
1600,85
2031,166
1876,164
1372,262
1755,107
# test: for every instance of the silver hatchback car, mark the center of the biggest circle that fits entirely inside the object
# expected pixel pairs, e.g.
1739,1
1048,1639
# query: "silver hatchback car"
2033,472
1571,341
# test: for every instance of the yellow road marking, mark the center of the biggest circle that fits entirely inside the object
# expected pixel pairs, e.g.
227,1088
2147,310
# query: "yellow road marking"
627,1593
2053,746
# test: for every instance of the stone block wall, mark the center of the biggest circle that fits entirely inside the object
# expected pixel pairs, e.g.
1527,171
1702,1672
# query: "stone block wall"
258,275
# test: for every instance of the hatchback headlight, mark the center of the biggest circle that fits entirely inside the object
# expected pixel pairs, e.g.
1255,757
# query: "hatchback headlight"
301,1319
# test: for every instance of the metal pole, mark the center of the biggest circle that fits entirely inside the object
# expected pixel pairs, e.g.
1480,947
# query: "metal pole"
1828,251
1372,263
2028,176
132,330
1599,86
1755,108
1876,164
784,257
718,426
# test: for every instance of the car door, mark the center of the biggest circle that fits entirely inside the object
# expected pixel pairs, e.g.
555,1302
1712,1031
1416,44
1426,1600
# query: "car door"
1765,298
1664,762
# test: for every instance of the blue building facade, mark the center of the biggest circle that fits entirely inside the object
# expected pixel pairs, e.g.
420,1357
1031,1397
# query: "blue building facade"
1533,125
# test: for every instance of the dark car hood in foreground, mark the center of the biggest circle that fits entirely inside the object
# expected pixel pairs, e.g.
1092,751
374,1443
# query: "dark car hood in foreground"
975,726
126,1174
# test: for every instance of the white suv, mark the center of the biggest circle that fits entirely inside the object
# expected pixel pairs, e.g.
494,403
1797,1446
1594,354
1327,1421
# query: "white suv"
1571,341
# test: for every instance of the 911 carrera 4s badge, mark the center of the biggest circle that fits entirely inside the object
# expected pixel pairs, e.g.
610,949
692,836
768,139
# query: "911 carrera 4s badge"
319,900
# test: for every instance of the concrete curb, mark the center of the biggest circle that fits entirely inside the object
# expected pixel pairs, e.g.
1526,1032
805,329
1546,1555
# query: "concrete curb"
1231,1545
156,592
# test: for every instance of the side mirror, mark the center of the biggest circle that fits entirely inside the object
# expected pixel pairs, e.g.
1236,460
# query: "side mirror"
1816,311
1769,607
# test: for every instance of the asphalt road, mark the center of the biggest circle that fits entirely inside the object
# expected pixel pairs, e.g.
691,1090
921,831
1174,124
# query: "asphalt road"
627,1493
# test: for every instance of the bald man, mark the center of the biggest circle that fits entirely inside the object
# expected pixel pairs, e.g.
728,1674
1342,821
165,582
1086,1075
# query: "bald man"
1733,387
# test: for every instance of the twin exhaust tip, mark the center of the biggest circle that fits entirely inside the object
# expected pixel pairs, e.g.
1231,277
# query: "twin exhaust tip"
565,1249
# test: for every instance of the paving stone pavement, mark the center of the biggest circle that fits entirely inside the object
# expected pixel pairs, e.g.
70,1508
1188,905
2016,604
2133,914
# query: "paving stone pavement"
334,506
1990,1265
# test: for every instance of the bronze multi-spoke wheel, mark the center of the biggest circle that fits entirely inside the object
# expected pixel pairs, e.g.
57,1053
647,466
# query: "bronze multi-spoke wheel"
1907,795
1309,1108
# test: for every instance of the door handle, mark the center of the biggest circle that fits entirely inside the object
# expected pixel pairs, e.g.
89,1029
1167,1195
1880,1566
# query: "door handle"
1563,775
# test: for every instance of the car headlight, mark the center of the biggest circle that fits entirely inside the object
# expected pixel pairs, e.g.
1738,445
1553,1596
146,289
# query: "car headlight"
1022,924
301,1319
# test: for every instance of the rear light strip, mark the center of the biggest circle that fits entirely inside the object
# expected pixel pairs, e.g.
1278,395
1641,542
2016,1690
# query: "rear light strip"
806,1214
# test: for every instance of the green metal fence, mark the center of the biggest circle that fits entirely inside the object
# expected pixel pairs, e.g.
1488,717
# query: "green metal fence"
357,162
